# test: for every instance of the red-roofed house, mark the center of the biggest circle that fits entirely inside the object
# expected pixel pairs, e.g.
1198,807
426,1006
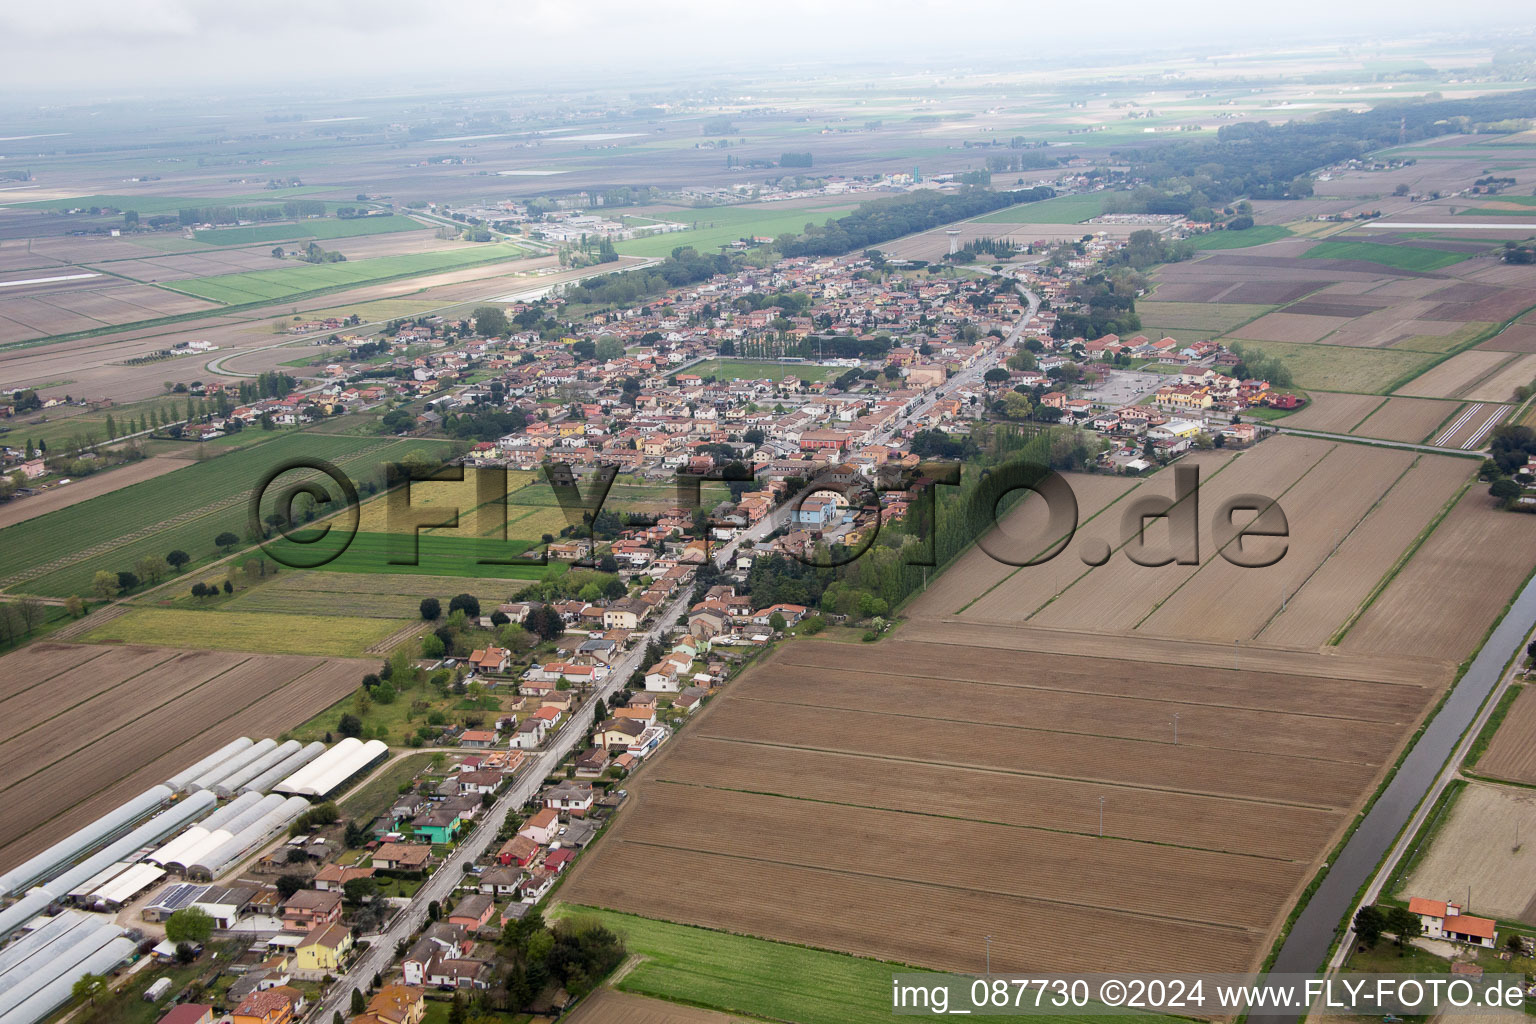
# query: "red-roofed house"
1442,920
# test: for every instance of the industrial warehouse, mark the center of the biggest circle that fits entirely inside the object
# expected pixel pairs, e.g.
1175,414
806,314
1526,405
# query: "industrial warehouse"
202,823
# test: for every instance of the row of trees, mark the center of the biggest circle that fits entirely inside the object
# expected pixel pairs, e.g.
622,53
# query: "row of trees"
884,219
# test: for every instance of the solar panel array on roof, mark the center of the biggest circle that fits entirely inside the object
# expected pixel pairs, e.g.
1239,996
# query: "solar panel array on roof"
181,895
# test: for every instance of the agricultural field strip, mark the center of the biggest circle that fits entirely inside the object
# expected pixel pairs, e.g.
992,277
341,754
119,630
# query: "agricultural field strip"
81,738
82,684
56,535
1277,688
1511,754
1367,555
141,757
899,921
71,658
1126,587
1472,562
1345,739
1221,824
1112,875
1051,542
1139,764
968,638
1230,602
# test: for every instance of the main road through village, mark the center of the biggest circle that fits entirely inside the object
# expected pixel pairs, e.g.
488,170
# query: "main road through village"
440,887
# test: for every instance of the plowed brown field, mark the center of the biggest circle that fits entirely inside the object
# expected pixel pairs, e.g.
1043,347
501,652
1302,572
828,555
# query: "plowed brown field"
1407,419
87,727
904,800
1447,595
1512,752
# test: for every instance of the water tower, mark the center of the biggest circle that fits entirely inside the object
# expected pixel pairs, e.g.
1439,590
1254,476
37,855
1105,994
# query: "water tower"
954,240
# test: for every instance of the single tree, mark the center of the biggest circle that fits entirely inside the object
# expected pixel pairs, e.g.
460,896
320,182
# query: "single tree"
287,885
431,608
89,988
189,924
178,558
359,1004
104,584
350,725
1369,924
226,541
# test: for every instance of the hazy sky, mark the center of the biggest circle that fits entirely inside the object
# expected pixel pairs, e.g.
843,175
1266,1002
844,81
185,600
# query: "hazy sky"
48,49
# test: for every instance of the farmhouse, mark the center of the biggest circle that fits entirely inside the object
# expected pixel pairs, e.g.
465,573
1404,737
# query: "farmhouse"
1442,920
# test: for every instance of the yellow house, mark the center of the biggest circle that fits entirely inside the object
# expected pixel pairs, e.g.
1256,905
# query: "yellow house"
399,1004
321,951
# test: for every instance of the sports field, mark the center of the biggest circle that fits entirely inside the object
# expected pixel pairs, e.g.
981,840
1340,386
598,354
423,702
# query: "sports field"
293,279
1060,210
1403,257
339,636
319,228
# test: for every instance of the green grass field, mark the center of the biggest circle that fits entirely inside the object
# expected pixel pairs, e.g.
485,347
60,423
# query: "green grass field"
1200,316
329,635
1061,210
772,980
319,228
294,279
379,596
1370,371
712,228
1241,239
1403,257
436,555
759,369
184,509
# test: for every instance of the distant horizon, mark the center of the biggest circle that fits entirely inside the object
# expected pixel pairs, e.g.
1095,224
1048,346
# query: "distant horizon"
183,49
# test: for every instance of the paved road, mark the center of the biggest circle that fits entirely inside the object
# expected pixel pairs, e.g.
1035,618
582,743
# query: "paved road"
440,887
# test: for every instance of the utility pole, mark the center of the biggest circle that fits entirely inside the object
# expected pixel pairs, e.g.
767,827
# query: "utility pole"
1101,819
989,956
1175,728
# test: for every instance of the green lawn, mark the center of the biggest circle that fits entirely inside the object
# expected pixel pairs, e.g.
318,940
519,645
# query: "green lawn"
382,789
295,279
1241,239
320,228
774,980
184,509
1403,257
1061,210
1370,371
758,369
